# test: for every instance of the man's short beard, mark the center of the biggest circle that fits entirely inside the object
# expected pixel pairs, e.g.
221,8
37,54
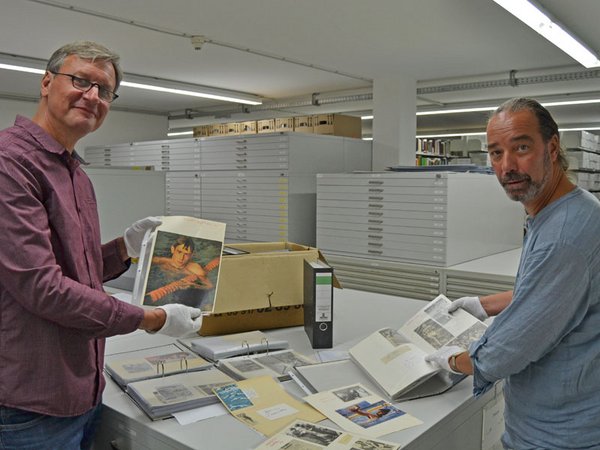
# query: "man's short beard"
534,188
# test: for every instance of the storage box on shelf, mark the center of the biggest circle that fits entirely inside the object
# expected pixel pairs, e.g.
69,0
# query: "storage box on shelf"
248,127
284,124
218,129
337,125
233,128
580,140
583,154
303,124
265,126
202,131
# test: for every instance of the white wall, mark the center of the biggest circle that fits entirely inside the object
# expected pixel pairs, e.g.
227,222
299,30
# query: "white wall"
118,127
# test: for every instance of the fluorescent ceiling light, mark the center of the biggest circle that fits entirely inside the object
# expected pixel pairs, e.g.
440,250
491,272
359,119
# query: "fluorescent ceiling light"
455,111
536,19
140,82
180,133
366,117
431,136
579,129
22,69
226,98
573,102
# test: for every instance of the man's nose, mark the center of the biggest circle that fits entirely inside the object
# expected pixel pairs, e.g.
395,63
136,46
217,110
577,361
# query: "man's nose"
508,163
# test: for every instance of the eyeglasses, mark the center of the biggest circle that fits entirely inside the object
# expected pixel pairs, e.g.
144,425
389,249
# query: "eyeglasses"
84,85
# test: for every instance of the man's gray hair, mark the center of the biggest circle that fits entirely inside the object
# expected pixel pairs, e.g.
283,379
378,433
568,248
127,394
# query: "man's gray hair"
88,50
548,126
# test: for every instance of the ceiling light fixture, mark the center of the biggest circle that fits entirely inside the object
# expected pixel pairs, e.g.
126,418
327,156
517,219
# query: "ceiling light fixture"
180,133
455,111
539,21
431,136
141,82
22,69
205,94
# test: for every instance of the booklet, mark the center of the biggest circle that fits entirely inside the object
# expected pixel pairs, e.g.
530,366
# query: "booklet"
128,367
358,410
179,263
159,398
394,359
274,364
237,344
263,404
303,435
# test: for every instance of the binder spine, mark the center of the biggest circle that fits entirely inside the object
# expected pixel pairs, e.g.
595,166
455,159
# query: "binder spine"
318,304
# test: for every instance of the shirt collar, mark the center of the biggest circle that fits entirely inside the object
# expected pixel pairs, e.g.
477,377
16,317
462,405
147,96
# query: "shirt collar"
47,142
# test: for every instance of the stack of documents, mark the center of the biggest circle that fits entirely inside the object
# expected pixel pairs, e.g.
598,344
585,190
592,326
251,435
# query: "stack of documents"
219,347
129,367
159,398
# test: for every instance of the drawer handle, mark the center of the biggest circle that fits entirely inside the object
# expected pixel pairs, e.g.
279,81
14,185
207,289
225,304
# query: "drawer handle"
377,252
375,221
375,205
375,190
375,244
376,198
375,182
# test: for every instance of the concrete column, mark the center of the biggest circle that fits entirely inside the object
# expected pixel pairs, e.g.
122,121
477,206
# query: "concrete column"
394,122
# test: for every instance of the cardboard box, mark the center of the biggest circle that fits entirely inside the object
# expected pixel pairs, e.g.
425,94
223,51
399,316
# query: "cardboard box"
261,289
265,126
233,128
337,125
248,127
218,129
202,131
303,124
285,124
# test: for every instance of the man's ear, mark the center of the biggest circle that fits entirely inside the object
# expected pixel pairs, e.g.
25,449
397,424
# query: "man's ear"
45,83
554,147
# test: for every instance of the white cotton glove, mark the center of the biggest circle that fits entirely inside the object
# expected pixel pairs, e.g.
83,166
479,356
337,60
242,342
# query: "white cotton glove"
441,356
472,305
134,235
182,321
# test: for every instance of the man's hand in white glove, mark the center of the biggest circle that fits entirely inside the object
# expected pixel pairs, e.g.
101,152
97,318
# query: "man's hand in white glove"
472,305
440,357
134,235
182,321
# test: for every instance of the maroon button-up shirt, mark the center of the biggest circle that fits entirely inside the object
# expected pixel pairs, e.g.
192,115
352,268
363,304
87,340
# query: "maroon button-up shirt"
54,314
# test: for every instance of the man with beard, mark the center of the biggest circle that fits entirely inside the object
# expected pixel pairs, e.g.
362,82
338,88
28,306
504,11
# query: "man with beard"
545,339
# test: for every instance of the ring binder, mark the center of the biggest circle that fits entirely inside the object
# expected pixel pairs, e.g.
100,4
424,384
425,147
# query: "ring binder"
247,348
266,341
160,364
183,360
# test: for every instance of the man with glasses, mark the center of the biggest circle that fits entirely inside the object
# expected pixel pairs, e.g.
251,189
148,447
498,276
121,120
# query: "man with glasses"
54,314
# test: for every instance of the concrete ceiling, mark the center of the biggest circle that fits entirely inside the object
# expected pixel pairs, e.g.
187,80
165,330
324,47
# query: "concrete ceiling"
287,50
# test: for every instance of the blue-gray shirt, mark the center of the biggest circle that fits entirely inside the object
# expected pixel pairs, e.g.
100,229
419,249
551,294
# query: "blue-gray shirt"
546,344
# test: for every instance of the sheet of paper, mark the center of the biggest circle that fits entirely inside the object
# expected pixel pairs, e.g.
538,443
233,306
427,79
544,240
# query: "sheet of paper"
198,414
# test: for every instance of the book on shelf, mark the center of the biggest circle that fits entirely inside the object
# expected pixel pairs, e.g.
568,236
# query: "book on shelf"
179,263
161,397
318,303
155,362
264,405
237,344
394,359
306,435
358,410
275,364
